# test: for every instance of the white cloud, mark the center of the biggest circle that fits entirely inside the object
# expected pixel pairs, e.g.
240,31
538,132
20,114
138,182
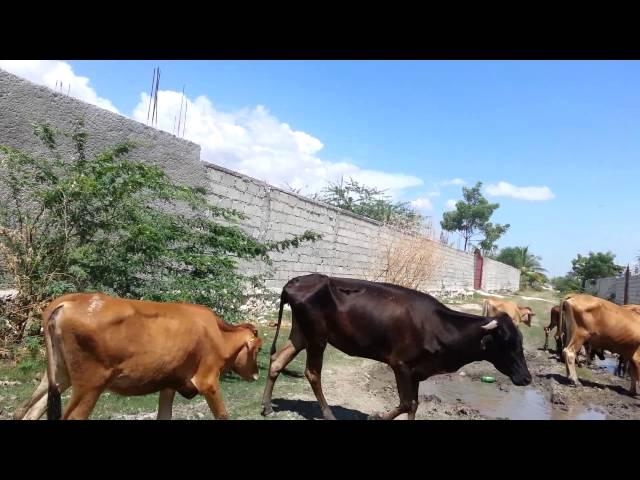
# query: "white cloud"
422,204
251,141
451,204
433,194
254,142
504,189
455,181
50,72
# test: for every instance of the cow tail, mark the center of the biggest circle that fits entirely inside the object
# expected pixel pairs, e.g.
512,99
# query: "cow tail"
54,400
565,322
283,301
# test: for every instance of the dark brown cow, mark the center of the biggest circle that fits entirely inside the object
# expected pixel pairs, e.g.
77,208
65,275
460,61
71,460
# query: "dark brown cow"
412,332
554,322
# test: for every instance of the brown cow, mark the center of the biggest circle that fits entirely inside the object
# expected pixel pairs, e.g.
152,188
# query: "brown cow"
560,337
606,325
554,322
623,363
492,307
96,342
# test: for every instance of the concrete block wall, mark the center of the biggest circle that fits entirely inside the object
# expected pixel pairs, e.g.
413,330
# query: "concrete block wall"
605,287
350,246
497,278
23,103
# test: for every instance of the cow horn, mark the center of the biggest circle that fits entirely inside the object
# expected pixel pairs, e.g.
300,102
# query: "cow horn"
491,325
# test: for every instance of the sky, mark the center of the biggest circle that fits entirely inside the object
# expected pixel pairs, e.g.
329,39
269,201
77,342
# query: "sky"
555,143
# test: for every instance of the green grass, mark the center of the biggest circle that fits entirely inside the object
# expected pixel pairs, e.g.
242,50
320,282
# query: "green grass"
242,398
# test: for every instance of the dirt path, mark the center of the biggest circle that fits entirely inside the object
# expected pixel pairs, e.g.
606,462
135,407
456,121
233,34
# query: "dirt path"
357,390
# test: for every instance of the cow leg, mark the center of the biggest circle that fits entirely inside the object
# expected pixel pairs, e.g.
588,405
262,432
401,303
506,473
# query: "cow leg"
546,339
559,343
165,404
570,353
620,366
313,372
408,393
34,407
414,402
278,362
634,370
82,402
589,353
213,396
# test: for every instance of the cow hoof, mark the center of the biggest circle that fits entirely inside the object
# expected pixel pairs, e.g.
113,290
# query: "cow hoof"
266,411
374,416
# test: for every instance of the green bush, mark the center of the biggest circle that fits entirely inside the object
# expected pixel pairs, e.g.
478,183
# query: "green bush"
117,226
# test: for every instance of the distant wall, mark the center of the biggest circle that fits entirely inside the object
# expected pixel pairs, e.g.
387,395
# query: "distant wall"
614,286
350,246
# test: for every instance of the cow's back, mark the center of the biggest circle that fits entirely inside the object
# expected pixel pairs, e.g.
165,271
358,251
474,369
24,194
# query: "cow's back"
366,319
609,325
496,307
135,338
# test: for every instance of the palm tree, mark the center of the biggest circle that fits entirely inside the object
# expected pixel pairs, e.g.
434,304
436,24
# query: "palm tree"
531,270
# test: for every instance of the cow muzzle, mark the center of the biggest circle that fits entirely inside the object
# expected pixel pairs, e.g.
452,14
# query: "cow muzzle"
522,379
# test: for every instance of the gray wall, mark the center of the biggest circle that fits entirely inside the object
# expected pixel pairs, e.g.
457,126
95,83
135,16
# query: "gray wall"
605,287
23,103
350,247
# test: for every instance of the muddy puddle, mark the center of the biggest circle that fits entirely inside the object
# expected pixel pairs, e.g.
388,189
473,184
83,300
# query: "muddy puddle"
516,403
609,364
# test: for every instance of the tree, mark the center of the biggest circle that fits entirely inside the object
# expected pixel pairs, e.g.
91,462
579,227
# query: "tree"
492,234
531,271
369,202
568,283
117,226
471,217
594,266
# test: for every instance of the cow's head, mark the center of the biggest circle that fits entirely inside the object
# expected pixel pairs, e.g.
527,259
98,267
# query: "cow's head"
245,363
501,344
526,314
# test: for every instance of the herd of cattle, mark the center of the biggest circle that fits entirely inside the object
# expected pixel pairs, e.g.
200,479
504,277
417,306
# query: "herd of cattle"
98,343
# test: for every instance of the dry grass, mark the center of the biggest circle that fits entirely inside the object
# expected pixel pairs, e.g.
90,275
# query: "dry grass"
409,259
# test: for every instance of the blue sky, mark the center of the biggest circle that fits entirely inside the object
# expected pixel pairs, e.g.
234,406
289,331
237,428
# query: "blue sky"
567,128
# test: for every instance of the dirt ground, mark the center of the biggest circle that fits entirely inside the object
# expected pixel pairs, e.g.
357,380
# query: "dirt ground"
365,387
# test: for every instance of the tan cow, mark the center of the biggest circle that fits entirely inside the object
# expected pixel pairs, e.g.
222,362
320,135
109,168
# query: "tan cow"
492,308
634,308
96,342
605,325
623,363
561,334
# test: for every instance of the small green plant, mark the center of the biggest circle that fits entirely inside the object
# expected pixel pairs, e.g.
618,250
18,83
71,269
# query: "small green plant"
371,203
